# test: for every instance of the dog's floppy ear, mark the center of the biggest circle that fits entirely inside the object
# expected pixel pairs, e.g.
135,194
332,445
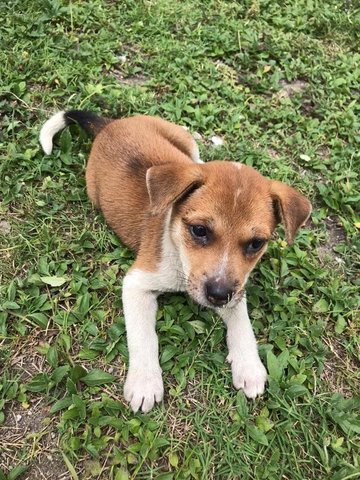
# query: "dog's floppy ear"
169,182
291,208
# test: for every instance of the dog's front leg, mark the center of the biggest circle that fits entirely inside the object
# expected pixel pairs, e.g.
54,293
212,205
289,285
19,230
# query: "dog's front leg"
143,385
248,373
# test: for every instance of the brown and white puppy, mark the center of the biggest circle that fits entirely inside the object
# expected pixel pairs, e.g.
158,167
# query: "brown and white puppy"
195,227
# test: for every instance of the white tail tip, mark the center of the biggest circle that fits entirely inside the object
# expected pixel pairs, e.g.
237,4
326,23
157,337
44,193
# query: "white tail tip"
56,123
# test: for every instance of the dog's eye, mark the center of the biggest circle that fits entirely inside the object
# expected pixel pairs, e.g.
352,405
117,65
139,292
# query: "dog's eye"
255,245
198,231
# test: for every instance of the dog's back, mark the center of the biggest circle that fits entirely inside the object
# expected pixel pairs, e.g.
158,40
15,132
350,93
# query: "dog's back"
116,172
123,152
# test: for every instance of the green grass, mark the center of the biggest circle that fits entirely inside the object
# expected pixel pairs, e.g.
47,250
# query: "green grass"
279,81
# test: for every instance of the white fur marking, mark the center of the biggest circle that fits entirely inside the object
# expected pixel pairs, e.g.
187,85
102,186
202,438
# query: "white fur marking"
196,154
237,165
221,272
236,196
50,128
170,273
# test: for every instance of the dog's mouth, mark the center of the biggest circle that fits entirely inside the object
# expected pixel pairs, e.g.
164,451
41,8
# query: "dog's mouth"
197,293
233,301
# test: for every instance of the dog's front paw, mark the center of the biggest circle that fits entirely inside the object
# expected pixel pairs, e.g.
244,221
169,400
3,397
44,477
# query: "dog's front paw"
142,389
249,376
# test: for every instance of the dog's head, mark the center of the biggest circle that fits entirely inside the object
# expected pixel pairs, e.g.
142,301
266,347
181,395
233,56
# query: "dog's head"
223,215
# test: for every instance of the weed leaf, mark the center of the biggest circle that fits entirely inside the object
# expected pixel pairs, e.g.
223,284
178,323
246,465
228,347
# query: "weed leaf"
257,435
97,377
54,281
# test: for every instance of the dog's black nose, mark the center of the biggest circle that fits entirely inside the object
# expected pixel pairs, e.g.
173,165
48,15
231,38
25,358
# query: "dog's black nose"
218,292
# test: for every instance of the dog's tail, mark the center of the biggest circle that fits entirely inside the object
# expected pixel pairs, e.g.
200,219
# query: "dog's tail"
90,122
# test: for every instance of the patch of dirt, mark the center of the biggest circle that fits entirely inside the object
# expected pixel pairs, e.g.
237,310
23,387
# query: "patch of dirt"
335,230
291,88
323,152
338,368
28,435
335,234
179,426
26,360
332,49
49,467
139,79
308,107
228,73
192,395
5,227
273,153
27,438
129,55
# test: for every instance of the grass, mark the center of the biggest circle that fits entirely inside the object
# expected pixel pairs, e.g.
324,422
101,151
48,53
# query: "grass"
279,82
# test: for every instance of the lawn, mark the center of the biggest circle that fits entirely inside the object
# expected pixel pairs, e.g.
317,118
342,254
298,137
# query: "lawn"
278,82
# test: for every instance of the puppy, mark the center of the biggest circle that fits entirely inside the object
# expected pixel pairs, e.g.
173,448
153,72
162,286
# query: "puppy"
195,227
